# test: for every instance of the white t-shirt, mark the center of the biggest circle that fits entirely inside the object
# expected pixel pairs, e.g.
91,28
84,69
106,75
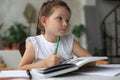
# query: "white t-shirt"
44,48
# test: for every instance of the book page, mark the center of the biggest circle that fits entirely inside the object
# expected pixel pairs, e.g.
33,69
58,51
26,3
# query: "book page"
83,60
13,73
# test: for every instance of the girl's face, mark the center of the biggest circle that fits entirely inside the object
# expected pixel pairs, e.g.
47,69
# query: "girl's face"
58,22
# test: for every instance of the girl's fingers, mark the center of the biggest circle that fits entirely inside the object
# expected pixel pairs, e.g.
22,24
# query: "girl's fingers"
54,52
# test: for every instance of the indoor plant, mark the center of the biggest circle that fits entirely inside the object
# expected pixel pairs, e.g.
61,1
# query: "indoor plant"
5,42
15,34
78,31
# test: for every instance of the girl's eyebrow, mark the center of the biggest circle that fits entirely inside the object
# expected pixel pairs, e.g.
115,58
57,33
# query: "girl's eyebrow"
65,17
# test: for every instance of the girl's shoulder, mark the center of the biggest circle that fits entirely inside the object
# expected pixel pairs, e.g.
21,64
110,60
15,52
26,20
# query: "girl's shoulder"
33,38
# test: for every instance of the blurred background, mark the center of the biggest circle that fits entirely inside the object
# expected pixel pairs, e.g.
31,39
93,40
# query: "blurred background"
95,24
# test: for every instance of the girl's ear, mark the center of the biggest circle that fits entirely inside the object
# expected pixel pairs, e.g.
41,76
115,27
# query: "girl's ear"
43,20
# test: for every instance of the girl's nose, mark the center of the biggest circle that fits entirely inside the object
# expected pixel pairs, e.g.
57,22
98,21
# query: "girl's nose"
65,23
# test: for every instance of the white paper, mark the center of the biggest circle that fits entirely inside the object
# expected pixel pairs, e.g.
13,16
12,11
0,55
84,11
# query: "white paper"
110,65
13,73
103,70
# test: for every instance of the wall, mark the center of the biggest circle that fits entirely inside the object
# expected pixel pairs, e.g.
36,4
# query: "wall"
92,27
12,10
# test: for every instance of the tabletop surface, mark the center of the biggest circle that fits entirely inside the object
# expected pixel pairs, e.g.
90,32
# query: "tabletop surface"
75,76
71,76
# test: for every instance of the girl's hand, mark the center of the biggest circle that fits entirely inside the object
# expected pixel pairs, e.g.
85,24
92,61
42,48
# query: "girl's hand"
52,60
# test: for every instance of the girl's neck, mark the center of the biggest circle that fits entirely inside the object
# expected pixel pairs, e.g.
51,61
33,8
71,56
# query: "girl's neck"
50,38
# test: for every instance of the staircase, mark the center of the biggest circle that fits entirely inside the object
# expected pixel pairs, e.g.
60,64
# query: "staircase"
110,31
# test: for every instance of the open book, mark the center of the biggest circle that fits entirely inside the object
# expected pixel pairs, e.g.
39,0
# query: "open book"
65,67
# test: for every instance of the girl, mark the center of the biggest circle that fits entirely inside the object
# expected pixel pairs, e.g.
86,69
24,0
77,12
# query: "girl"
53,19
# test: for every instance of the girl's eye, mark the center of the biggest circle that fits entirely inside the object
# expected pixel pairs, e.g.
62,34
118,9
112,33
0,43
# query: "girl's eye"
59,18
67,21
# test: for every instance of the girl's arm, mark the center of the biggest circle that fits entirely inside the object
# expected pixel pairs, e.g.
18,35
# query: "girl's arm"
79,51
29,56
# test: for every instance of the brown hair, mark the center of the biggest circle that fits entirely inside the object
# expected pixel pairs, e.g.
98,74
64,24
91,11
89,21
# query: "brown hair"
47,9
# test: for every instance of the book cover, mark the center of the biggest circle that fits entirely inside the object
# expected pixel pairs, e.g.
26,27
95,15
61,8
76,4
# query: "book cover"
65,67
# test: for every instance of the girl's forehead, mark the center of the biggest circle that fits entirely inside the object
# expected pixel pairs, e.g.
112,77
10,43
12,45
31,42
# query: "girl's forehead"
61,10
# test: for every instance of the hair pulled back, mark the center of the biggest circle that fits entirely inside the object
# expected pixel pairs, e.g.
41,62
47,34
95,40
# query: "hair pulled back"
47,9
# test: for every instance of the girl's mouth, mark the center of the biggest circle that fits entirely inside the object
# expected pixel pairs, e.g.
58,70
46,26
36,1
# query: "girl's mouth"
63,30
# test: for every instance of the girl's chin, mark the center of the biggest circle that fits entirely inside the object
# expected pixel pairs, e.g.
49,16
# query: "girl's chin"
62,34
